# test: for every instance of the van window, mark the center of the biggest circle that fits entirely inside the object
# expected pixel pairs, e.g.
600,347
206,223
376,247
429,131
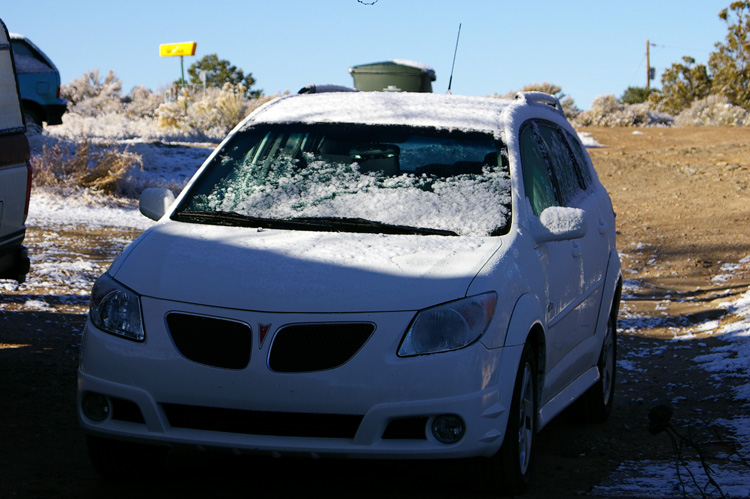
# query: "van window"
28,60
10,109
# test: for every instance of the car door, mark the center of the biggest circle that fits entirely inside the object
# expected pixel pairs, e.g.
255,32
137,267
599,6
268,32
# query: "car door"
560,262
590,251
599,241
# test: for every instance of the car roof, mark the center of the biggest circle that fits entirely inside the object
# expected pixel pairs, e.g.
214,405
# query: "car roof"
442,111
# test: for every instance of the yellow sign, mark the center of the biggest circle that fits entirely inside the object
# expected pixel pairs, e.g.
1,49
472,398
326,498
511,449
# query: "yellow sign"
172,49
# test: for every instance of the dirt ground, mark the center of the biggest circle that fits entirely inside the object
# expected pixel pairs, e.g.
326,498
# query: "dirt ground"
683,211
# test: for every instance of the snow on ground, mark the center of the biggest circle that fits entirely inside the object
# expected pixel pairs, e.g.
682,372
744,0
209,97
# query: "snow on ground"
731,359
48,209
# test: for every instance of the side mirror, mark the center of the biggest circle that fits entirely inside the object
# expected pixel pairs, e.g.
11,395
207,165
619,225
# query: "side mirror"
559,223
155,201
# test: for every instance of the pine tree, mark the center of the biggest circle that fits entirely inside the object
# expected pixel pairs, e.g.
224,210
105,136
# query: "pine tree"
730,64
681,85
219,72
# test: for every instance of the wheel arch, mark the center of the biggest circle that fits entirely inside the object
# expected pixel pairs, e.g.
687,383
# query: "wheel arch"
612,294
526,326
34,108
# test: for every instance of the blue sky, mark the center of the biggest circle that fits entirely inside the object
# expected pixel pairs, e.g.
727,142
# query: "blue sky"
590,48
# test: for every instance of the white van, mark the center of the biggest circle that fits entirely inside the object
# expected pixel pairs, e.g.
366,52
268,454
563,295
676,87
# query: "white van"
15,169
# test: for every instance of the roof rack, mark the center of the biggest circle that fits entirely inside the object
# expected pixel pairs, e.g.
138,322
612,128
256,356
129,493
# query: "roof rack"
325,88
540,98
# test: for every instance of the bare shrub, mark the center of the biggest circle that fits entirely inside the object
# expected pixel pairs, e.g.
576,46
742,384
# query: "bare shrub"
90,96
102,168
607,110
714,110
213,111
142,103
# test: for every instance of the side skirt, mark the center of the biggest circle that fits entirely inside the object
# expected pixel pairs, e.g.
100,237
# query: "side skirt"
567,396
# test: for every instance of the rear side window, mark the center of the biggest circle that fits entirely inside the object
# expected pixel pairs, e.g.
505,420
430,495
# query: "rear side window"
28,60
580,156
11,119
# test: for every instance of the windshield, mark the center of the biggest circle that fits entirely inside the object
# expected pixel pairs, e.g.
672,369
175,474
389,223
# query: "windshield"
356,178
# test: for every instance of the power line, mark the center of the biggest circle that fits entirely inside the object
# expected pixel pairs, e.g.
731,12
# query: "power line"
660,45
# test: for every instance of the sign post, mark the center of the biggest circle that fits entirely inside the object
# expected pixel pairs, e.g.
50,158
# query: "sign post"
181,49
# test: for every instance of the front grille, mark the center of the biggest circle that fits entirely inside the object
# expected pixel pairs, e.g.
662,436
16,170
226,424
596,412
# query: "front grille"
317,347
411,428
211,341
126,410
283,424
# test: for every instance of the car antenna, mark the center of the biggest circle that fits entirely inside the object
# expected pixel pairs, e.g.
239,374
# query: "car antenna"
450,81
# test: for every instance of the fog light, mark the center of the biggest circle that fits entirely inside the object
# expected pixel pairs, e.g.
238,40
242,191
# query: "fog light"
448,429
95,406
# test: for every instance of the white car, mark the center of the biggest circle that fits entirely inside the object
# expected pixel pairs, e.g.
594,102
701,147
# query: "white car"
364,275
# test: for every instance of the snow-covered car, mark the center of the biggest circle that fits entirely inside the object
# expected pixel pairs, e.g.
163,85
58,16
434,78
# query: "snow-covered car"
369,275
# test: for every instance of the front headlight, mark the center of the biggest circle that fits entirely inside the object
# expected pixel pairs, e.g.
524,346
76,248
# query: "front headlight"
115,309
449,326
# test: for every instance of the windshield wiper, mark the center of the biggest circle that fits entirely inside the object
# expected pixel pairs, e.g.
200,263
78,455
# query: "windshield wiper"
233,219
333,224
345,224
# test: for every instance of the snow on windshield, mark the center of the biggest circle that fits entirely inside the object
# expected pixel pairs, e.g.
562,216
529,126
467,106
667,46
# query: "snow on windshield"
419,181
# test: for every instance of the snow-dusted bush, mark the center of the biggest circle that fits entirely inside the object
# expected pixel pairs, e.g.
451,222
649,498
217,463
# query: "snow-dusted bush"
89,96
117,126
142,103
714,110
82,164
98,110
607,110
212,112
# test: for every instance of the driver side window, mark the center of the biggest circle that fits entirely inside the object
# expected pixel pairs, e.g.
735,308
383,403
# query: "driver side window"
536,174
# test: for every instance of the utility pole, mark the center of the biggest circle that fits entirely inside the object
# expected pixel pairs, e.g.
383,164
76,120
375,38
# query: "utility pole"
648,66
650,72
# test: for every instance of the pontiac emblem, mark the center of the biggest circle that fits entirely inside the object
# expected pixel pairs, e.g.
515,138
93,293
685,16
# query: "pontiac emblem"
262,332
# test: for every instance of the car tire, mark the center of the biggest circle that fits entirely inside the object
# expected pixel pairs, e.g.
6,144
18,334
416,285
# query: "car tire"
595,405
509,471
116,460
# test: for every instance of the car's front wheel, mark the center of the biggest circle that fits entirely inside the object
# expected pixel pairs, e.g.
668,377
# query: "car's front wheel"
120,461
509,471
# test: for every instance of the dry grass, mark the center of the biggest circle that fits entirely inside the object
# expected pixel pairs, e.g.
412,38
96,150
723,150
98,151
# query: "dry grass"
103,168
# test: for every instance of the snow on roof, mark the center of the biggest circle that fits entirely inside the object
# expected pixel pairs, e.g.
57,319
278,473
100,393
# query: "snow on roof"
452,112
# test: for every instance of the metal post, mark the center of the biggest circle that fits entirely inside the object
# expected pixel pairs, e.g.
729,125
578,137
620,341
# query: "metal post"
182,69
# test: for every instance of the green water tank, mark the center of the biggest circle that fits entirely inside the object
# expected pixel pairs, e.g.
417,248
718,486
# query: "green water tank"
393,76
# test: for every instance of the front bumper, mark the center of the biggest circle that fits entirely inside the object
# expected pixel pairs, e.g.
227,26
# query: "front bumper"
376,405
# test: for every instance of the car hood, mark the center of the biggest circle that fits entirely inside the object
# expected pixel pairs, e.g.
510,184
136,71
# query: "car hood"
300,271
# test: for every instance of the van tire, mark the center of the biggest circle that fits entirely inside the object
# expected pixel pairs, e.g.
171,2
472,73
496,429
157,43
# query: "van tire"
33,122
